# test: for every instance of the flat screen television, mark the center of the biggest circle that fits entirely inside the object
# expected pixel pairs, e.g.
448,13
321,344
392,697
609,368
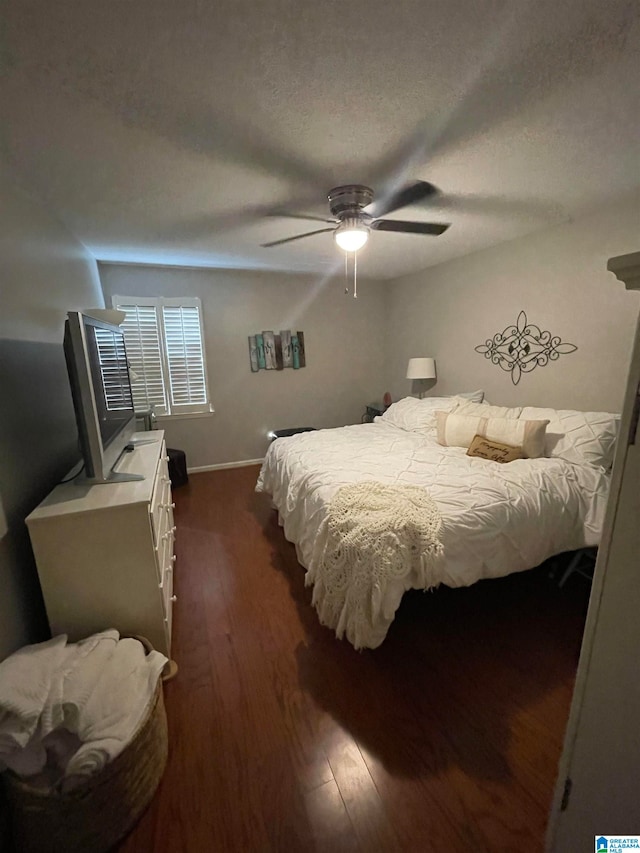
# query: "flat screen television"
101,389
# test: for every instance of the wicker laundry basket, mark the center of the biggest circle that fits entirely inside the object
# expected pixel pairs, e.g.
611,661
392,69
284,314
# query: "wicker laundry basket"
95,816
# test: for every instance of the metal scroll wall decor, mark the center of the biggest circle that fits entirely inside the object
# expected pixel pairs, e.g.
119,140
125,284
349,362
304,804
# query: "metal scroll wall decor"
268,351
521,348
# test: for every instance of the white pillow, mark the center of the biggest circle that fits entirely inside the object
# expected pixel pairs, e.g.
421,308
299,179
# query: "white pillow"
484,410
414,415
460,430
472,396
579,437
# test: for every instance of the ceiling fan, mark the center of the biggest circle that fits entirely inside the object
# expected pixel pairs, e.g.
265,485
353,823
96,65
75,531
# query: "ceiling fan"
355,213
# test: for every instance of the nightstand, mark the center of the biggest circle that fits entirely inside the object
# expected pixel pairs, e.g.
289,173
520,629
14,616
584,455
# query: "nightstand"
372,411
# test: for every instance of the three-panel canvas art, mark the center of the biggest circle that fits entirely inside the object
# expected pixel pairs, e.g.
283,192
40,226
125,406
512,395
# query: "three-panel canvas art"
268,351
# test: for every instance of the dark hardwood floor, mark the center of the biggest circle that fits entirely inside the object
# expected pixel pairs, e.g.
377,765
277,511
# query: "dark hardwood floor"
282,738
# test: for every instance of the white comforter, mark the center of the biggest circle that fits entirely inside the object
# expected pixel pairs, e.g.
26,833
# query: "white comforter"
497,519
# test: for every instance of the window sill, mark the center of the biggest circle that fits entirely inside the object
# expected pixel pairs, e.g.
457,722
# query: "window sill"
184,416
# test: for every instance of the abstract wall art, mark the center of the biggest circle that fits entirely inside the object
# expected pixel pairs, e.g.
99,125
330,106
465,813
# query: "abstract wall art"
253,353
269,341
268,351
521,348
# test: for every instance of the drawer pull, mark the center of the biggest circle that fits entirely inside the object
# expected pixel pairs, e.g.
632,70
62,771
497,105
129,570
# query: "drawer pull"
174,598
173,559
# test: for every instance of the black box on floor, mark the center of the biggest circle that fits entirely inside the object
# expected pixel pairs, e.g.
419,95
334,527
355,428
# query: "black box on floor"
177,467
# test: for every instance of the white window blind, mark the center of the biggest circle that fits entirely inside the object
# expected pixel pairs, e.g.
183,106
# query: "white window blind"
184,355
142,337
165,347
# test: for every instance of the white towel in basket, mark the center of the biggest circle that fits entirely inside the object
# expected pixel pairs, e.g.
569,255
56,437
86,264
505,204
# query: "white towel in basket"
25,682
80,679
115,709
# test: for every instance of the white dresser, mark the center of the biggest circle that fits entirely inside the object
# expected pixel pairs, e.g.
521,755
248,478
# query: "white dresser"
105,553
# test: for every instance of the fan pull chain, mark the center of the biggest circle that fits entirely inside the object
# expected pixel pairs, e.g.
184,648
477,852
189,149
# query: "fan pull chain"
355,275
346,273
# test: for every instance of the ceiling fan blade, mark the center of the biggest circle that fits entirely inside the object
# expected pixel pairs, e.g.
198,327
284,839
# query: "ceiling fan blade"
204,225
506,83
194,127
501,206
403,227
297,237
411,194
285,215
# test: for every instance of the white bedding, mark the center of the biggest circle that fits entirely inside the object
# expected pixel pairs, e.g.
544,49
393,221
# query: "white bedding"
497,519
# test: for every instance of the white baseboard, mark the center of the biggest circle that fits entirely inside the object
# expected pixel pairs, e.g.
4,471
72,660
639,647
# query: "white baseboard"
243,463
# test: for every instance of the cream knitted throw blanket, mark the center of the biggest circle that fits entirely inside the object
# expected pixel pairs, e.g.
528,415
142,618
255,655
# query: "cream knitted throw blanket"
375,537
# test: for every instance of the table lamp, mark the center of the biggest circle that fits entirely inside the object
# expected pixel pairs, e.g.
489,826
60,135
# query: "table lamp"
421,368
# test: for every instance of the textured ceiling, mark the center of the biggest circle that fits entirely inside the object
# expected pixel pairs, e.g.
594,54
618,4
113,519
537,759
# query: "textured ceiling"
162,131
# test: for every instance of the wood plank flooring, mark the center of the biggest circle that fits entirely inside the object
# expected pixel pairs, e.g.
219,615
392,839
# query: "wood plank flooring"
282,738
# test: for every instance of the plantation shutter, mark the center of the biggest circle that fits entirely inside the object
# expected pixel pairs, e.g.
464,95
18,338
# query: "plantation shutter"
144,352
165,348
185,356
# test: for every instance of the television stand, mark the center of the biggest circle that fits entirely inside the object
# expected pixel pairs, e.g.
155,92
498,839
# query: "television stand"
117,476
112,477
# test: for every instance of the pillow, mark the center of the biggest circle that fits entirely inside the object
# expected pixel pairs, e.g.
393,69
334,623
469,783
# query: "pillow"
460,430
412,414
579,437
473,396
484,410
494,450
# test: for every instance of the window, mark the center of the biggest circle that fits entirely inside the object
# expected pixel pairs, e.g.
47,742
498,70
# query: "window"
165,350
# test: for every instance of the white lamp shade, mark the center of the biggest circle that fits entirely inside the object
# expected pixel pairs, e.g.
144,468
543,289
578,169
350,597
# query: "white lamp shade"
421,368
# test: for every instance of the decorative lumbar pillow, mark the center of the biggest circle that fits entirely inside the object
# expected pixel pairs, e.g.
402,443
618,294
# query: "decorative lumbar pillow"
494,450
484,410
459,431
415,415
579,437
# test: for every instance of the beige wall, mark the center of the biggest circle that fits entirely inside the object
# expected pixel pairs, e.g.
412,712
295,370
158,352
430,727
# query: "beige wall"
344,341
45,273
559,278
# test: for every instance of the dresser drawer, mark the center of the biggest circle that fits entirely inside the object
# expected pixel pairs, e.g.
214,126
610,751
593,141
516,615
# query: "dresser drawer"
167,589
168,622
164,548
162,516
168,599
161,496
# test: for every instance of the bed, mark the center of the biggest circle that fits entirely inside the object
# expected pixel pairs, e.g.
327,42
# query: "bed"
496,518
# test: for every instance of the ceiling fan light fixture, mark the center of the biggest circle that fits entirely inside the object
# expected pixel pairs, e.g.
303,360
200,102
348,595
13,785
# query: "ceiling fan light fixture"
351,235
